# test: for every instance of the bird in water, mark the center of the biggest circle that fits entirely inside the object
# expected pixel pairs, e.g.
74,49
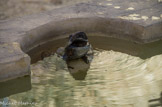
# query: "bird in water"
76,48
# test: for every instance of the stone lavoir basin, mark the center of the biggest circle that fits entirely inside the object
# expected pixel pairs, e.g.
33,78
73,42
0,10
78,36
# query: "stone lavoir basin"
114,79
126,70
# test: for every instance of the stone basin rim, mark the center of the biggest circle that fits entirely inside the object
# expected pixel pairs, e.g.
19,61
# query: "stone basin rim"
55,30
127,30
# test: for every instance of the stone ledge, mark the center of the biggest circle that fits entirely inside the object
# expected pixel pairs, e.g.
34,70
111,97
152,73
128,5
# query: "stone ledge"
13,62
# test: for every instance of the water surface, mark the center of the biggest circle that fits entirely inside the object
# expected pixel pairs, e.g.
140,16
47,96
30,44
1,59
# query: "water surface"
114,79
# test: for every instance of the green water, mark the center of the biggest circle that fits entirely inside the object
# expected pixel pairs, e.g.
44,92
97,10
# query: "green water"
114,79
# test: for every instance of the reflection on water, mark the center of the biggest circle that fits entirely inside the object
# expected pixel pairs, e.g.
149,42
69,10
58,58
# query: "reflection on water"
78,68
114,79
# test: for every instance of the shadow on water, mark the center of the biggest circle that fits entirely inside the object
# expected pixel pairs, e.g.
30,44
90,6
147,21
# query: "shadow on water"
156,102
15,86
143,51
